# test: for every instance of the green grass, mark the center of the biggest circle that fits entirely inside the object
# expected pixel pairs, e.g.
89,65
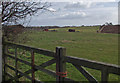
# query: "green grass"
83,44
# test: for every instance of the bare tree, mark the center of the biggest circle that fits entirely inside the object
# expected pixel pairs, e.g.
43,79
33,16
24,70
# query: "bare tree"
12,12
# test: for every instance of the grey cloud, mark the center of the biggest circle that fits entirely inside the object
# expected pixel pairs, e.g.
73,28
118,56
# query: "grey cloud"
96,14
78,5
73,15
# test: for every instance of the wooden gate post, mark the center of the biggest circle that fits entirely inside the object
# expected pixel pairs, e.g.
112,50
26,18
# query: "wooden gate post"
5,59
60,64
104,75
0,44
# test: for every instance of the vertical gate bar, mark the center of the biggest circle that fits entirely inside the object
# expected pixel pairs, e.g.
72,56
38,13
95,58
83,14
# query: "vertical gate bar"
104,75
60,63
33,70
5,60
3,55
16,64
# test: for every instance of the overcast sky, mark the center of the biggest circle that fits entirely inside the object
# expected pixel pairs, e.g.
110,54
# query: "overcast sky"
77,14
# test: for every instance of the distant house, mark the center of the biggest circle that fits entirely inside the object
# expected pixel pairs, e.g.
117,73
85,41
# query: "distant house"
109,29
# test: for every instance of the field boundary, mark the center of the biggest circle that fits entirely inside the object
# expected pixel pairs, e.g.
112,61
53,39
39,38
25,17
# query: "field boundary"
60,58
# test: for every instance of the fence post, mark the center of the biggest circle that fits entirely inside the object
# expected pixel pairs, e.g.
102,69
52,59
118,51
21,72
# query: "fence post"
60,64
4,59
104,75
1,44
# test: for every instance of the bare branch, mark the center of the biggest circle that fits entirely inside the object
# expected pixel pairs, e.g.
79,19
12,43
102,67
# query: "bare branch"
14,11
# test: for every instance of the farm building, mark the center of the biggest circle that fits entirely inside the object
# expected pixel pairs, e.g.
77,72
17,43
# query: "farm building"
109,29
45,29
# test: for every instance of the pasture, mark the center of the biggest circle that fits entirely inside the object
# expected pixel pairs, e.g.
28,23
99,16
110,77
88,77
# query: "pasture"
84,44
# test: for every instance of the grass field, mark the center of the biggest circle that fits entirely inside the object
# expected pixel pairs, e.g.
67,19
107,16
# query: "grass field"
84,44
